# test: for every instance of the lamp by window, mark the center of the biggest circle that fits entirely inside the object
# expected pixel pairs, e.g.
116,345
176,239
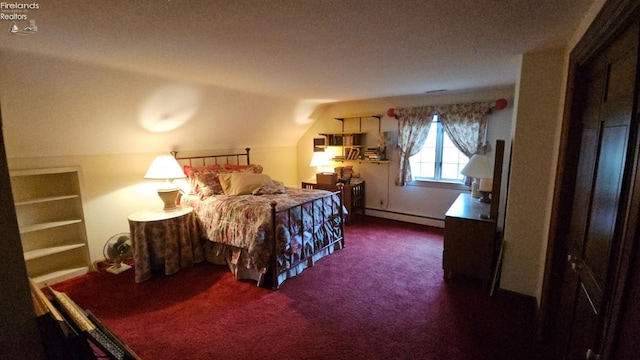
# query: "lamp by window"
166,167
477,168
320,160
485,188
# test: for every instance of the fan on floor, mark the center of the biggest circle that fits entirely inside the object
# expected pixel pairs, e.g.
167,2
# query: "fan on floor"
118,249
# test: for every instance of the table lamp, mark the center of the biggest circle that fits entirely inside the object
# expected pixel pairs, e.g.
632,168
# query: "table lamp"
320,160
166,167
477,168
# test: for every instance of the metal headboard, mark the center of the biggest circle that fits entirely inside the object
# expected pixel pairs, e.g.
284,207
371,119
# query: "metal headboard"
203,160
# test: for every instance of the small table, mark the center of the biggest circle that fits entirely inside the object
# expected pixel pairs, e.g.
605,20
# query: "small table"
352,195
166,238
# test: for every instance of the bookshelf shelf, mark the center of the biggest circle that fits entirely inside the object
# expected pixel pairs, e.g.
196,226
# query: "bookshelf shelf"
353,145
50,216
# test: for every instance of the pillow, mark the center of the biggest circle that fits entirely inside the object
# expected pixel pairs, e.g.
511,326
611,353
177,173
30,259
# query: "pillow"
241,183
251,168
205,183
188,168
203,177
276,187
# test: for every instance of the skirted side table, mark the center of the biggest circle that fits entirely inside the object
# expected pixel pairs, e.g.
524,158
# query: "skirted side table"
164,238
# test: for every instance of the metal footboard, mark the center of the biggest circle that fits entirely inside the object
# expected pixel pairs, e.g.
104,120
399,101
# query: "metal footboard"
289,260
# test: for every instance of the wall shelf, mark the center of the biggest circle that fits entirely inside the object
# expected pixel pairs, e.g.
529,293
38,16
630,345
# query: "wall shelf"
45,199
34,254
50,217
60,275
360,161
48,225
353,144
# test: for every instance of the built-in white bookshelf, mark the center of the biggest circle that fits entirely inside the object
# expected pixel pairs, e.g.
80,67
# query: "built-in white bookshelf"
50,216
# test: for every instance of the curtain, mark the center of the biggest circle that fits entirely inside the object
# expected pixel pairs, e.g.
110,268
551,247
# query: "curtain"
466,125
413,128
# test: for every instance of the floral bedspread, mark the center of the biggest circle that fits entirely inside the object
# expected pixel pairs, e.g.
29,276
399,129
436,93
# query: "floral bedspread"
244,223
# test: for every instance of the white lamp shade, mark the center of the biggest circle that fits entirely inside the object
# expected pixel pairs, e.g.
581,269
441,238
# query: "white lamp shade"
320,159
164,167
478,167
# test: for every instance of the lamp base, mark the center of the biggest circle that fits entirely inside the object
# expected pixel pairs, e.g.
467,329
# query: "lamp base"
485,196
169,197
475,192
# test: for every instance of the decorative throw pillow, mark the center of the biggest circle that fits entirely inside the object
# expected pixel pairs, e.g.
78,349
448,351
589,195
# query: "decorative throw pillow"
188,168
195,172
240,183
206,183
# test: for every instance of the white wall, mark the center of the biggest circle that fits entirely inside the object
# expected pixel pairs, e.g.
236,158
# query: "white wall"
534,155
56,107
114,186
60,112
424,205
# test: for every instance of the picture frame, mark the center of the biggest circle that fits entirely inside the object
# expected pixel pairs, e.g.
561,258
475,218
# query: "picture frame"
318,144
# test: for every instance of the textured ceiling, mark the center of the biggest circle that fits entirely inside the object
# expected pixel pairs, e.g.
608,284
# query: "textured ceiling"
307,50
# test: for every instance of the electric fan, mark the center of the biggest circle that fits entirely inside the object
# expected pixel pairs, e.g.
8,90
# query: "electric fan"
117,249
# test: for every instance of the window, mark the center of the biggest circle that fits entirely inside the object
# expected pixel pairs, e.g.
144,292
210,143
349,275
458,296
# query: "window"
439,159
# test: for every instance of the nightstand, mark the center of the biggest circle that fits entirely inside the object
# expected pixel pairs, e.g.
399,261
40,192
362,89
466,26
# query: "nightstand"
164,238
353,195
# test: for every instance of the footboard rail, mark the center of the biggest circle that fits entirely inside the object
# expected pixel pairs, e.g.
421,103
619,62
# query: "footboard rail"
290,260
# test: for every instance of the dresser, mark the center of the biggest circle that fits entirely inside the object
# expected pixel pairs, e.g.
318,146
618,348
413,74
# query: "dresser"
471,241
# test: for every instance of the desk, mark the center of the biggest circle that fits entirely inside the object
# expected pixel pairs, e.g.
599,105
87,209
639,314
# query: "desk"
164,238
352,195
471,243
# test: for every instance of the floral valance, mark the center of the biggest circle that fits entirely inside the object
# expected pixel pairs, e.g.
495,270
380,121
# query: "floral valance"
468,110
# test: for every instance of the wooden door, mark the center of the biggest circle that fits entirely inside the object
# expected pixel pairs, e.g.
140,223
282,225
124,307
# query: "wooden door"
598,196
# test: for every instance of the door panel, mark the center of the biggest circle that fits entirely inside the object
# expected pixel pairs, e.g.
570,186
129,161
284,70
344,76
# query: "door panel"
593,234
584,326
584,184
605,202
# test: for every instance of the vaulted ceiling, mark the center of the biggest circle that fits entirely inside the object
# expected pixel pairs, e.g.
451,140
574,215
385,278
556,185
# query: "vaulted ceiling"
123,76
302,49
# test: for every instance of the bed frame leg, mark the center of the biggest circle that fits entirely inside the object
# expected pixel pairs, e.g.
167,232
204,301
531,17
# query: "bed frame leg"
341,212
274,248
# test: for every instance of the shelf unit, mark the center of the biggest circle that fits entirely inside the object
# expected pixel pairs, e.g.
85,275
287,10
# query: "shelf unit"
50,216
352,142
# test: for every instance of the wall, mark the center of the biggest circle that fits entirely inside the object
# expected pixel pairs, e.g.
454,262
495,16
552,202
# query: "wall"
114,186
62,107
534,155
423,205
113,122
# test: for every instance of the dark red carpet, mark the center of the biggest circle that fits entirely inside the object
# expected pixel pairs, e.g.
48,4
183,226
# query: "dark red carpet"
382,297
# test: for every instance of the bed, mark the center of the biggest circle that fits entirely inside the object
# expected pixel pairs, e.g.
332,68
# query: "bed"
240,211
